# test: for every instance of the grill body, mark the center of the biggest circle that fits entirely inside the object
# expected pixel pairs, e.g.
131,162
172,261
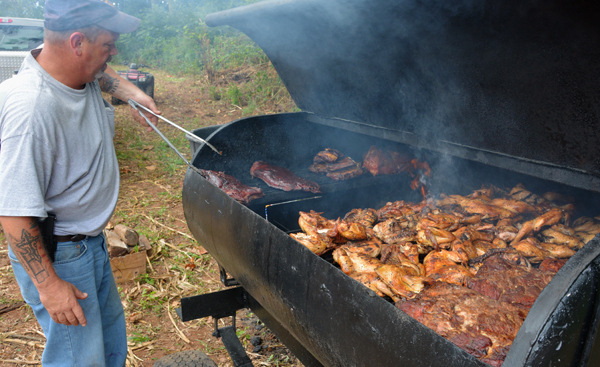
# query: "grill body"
486,92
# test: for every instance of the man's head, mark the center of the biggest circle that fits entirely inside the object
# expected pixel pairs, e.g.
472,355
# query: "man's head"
64,15
86,32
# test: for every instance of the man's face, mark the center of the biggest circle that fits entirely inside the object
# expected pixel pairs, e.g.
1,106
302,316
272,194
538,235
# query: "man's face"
97,54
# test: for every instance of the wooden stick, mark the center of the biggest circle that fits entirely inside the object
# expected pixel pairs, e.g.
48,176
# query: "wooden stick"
163,242
20,362
167,227
181,335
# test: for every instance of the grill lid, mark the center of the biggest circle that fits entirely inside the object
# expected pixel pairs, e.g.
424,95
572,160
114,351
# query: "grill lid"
518,79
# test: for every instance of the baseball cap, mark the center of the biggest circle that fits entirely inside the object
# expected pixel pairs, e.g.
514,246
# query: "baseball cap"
63,15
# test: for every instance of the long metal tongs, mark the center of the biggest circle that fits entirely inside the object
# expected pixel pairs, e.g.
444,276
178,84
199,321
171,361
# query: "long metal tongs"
135,106
193,136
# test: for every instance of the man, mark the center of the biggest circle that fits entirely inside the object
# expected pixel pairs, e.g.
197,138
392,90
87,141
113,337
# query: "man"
57,156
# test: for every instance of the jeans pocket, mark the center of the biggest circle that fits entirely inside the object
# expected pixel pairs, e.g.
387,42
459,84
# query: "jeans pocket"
69,251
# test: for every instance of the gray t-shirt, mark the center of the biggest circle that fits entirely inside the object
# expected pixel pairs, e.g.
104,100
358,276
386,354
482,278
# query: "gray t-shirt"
56,151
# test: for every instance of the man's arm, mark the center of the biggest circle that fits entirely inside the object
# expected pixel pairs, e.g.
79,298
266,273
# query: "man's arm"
58,296
117,86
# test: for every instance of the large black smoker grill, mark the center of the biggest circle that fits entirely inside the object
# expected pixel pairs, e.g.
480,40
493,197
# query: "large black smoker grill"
496,92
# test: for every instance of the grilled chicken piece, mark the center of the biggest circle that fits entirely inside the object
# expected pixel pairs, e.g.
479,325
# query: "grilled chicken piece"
519,192
443,265
440,220
313,222
327,156
394,231
317,243
506,233
481,326
374,283
399,209
514,206
560,238
556,197
557,251
394,255
366,217
355,261
371,248
586,224
401,283
465,249
470,234
549,218
434,237
531,249
350,231
408,249
282,178
475,206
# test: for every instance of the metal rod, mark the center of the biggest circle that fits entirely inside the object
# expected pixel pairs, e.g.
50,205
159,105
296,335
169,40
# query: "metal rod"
191,135
133,103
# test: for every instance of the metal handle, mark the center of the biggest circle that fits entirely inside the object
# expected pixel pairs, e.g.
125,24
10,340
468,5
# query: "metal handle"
135,104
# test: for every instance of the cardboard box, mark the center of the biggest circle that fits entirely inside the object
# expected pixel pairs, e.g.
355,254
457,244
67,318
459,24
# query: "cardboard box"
127,267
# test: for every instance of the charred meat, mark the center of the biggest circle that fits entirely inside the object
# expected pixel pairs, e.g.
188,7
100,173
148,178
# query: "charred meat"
232,186
332,163
282,178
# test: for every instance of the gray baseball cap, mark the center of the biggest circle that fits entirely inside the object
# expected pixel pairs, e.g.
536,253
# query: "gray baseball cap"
63,15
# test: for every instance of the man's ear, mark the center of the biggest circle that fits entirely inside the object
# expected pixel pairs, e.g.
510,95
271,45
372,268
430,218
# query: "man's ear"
75,41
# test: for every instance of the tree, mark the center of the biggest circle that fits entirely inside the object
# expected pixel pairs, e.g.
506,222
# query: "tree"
22,8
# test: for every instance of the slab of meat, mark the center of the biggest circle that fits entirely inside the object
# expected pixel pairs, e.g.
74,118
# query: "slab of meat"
281,178
327,156
232,186
507,278
483,327
379,162
334,166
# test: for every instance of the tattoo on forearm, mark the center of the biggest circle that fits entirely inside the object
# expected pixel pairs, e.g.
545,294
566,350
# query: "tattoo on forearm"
108,84
30,255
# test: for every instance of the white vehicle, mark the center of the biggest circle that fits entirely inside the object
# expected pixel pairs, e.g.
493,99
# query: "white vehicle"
17,37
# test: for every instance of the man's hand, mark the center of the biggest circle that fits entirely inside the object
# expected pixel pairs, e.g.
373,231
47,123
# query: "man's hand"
59,297
145,100
113,84
61,301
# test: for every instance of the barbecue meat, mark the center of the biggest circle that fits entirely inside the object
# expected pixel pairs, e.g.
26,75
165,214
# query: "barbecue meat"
327,156
379,162
336,168
507,278
445,266
366,217
281,178
317,243
232,186
345,174
481,326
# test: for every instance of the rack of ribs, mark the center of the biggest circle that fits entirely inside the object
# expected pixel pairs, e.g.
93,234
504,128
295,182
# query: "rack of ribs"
282,178
232,186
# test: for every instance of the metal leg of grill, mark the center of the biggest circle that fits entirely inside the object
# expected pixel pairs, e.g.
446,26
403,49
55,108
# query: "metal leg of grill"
219,305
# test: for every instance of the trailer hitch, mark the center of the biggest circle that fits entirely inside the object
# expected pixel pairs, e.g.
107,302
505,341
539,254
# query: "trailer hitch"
220,305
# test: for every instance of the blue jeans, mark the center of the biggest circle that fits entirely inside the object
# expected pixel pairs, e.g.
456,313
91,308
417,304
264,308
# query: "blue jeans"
103,342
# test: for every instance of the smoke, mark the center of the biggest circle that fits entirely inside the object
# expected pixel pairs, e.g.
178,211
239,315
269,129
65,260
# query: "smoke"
503,77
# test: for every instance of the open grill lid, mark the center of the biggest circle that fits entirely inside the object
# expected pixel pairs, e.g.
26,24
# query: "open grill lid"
514,84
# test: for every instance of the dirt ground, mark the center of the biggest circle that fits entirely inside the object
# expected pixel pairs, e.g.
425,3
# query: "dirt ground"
150,203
